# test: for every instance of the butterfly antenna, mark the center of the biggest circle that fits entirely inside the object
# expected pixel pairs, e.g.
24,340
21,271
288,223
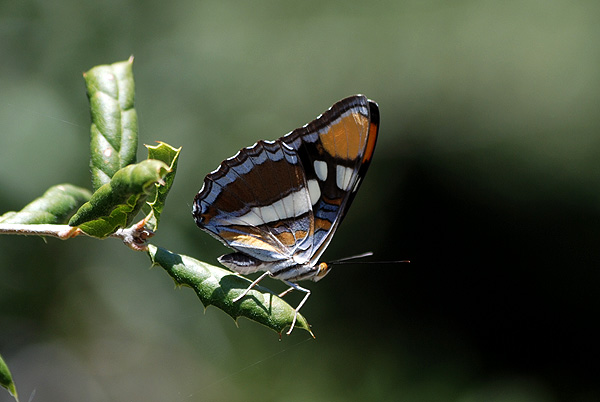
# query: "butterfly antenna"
352,257
349,260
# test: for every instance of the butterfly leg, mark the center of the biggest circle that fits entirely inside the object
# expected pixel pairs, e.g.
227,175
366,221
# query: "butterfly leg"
301,289
253,284
286,291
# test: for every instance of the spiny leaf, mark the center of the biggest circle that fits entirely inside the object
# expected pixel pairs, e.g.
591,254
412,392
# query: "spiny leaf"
6,379
116,203
219,287
54,207
114,129
154,206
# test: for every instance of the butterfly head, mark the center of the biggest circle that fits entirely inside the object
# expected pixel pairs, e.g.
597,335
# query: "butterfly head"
321,270
305,272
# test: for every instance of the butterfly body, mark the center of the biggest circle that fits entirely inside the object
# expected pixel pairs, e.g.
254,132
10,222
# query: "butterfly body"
278,203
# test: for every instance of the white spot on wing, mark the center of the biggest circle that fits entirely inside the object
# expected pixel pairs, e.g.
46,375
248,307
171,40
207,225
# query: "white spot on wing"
343,177
269,213
249,219
314,191
320,169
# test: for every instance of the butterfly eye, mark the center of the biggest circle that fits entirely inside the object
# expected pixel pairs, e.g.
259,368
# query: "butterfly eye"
323,270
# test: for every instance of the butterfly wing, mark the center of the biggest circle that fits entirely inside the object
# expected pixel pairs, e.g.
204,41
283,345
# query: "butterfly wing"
257,203
279,203
336,150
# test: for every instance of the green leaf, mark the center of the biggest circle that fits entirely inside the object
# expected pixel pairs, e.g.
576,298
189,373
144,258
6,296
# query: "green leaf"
115,204
6,379
219,287
114,129
156,202
54,207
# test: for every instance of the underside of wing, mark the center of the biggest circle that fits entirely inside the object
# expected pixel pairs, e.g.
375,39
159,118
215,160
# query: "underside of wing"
335,151
258,203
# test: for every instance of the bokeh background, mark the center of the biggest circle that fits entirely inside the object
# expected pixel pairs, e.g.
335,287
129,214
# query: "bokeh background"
486,177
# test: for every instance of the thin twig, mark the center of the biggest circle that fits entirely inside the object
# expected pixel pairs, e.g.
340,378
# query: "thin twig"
134,237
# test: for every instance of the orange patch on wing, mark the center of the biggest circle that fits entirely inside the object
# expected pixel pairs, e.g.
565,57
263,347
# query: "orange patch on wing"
288,239
371,142
246,240
322,224
345,139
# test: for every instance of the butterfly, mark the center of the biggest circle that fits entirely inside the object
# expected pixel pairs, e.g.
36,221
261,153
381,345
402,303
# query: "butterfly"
278,203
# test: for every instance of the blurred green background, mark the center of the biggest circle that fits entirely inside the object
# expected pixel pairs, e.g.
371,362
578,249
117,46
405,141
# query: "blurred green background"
486,177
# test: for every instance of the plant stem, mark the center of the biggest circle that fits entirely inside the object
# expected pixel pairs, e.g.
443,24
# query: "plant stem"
134,237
